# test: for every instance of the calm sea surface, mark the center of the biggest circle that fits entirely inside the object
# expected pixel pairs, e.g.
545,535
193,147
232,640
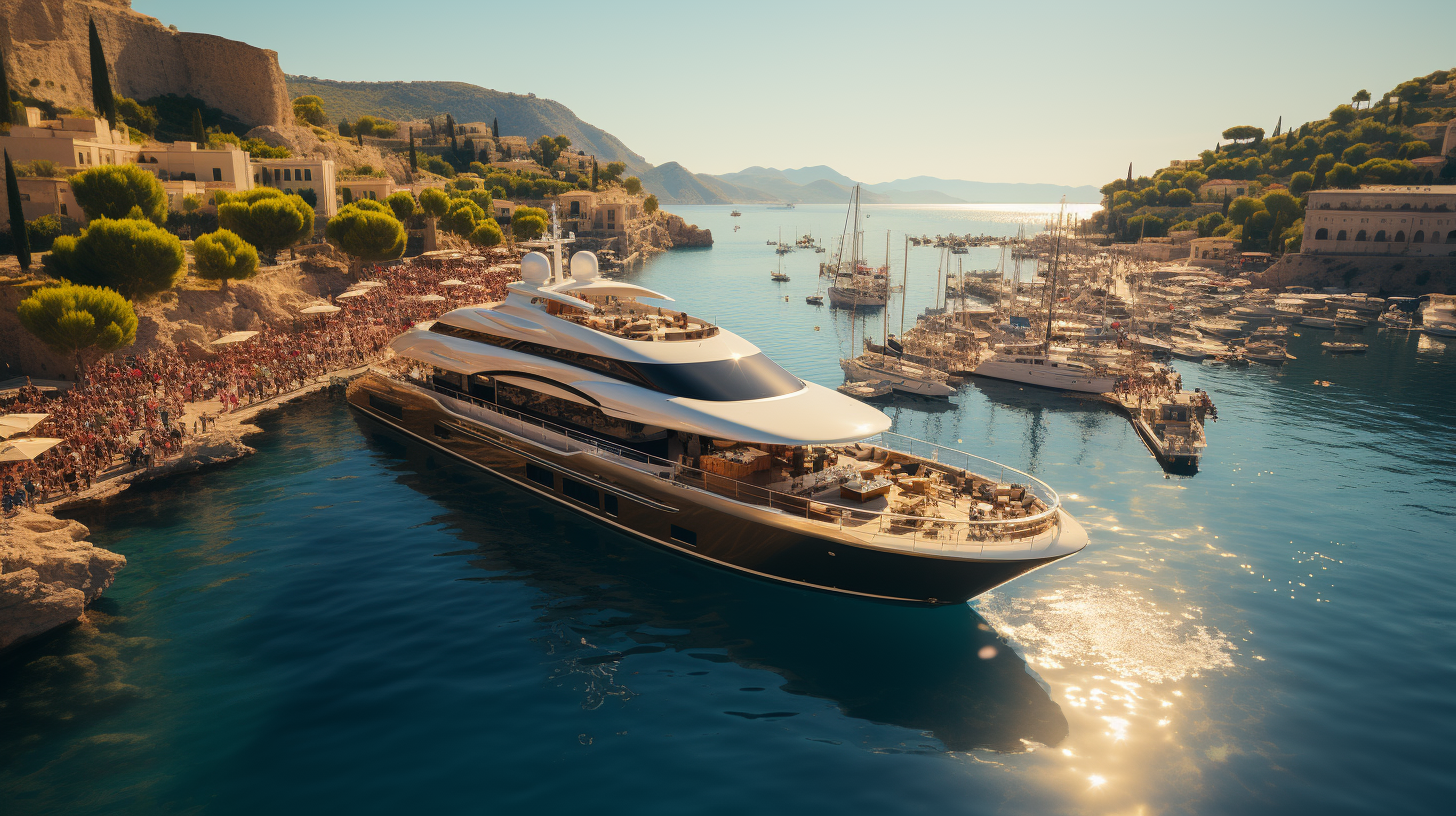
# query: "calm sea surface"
348,623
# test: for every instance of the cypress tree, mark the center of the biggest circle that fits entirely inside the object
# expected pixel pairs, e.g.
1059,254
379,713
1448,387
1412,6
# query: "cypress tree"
1216,146
594,173
1129,175
101,96
470,147
8,114
433,134
450,126
359,137
1226,201
1276,128
495,128
18,236
199,134
414,160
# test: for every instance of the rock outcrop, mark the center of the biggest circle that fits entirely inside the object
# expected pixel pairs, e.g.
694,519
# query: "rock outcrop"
684,234
1387,276
47,41
48,574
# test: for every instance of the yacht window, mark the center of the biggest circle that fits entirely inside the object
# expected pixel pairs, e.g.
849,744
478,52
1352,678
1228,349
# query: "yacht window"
441,432
576,490
609,504
745,378
386,407
540,475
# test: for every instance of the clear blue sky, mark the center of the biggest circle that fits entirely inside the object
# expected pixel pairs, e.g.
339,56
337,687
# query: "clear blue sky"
1039,92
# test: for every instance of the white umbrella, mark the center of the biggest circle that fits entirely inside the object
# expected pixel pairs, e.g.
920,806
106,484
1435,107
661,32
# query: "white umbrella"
353,293
320,308
431,298
452,282
370,284
23,450
235,337
12,424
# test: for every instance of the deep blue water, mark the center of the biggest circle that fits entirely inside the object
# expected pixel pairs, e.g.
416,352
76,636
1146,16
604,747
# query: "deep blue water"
346,622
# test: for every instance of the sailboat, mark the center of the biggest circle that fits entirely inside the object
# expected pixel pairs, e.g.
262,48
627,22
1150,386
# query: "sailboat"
1040,367
779,274
903,376
863,291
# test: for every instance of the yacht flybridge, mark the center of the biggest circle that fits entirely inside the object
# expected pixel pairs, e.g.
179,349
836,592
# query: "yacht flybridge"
664,426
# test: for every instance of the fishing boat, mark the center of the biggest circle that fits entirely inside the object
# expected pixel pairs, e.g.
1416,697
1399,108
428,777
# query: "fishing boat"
1438,316
1396,319
736,214
814,300
1318,322
1348,319
574,389
1267,352
778,275
1220,327
1340,347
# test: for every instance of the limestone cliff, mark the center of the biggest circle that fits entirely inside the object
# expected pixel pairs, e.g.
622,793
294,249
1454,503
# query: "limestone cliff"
47,40
1386,276
48,574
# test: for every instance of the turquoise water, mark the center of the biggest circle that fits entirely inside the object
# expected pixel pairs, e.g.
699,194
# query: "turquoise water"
345,622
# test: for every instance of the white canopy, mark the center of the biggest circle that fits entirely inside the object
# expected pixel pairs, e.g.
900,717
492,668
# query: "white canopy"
12,424
23,450
235,337
320,308
369,284
431,298
452,282
353,293
607,287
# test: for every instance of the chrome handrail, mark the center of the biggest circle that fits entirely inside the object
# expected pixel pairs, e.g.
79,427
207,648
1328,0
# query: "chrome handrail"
847,519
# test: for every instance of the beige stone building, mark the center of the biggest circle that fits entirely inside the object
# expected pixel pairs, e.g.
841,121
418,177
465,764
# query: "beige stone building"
583,211
1212,251
1381,221
225,169
295,174
374,189
43,196
69,141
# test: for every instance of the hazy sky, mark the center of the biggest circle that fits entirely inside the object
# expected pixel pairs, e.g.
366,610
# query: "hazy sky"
1037,92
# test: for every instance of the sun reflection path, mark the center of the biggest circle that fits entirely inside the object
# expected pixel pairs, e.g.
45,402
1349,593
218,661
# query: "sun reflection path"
1112,627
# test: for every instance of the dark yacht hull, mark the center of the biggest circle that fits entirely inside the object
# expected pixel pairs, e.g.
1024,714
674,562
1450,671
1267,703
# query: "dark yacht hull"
773,545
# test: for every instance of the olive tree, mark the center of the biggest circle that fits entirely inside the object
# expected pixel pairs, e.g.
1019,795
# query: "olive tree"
486,234
462,216
112,190
528,223
79,320
136,258
1242,207
223,256
366,235
649,204
632,185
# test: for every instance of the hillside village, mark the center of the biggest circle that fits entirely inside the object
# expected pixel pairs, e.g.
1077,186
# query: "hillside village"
1364,194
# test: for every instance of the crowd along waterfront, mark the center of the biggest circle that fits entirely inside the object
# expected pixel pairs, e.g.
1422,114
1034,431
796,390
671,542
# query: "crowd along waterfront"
349,621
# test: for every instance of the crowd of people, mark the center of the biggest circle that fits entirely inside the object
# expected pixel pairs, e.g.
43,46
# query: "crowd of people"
129,411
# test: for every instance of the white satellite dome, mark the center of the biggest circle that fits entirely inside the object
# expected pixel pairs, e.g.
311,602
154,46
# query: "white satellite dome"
584,267
535,269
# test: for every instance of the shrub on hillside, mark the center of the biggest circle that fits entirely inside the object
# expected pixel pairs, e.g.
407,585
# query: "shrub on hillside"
112,190
134,257
78,320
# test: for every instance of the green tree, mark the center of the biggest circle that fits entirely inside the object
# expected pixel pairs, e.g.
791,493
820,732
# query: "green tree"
546,151
594,173
19,235
136,115
78,320
191,203
612,172
43,232
1257,229
649,204
562,143
495,128
370,205
1355,154
1342,115
111,190
102,98
345,129
414,159
486,234
1146,226
1242,207
528,223
199,134
434,203
632,185
1282,206
1241,133
1301,183
481,197
1414,149
1292,238
366,236
462,216
267,219
309,110
223,256
401,203
1180,197
1342,176
7,110
134,257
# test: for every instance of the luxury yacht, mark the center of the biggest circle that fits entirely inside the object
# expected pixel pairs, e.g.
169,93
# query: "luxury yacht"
1036,367
668,428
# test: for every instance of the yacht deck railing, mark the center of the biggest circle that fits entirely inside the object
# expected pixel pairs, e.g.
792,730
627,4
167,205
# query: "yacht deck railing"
877,527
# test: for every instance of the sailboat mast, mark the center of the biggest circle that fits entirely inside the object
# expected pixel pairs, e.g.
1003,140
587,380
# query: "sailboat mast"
1052,281
885,312
904,286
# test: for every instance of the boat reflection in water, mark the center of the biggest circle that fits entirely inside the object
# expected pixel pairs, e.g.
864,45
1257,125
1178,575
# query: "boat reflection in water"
619,603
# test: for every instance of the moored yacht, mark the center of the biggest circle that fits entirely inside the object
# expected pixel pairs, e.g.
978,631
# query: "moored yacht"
678,432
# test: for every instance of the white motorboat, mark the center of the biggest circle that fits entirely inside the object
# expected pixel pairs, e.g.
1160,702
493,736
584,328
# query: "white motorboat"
1318,322
904,377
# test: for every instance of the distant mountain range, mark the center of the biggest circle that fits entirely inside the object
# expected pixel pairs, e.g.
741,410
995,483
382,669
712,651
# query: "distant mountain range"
531,116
